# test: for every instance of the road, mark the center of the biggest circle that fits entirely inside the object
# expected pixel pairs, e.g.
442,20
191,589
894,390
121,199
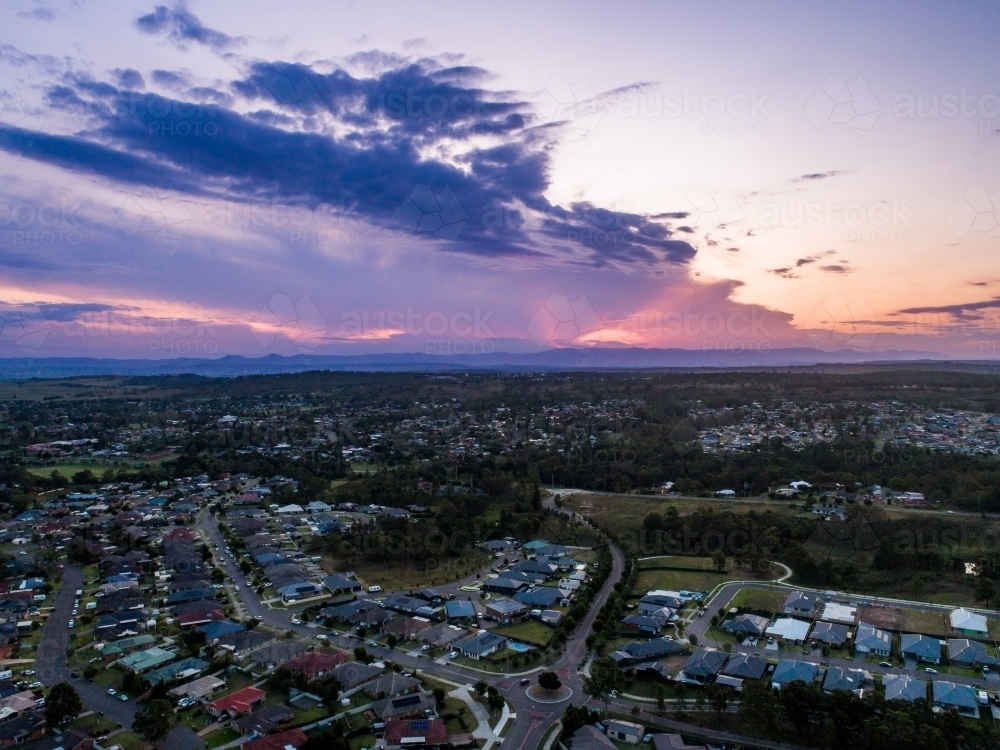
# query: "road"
51,668
533,719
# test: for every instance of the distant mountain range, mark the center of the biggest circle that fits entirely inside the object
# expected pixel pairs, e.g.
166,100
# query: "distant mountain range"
548,360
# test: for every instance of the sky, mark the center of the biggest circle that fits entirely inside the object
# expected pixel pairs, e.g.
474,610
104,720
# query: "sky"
204,179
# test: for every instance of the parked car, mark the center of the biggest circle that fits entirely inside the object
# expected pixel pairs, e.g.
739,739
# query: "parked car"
122,697
425,647
885,664
296,621
453,655
321,637
374,589
112,691
525,681
928,670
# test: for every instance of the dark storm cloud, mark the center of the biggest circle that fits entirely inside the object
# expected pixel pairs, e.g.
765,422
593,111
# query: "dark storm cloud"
961,310
128,78
485,193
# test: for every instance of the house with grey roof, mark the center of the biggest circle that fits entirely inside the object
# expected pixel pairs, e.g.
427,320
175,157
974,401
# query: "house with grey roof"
920,647
903,687
461,610
829,634
746,624
969,653
704,664
481,644
506,611
640,651
871,640
794,670
962,698
800,603
746,666
838,678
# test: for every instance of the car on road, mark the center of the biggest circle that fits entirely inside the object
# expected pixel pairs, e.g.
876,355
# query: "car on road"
928,670
425,647
112,691
374,589
373,644
122,697
258,617
525,681
75,675
296,621
72,624
34,686
28,672
321,636
885,664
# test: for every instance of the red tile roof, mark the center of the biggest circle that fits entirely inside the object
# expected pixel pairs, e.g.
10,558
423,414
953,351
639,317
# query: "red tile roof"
433,731
240,702
316,662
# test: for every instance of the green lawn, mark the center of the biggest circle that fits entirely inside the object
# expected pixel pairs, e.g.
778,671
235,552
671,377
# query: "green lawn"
108,677
677,580
529,631
677,561
758,599
194,719
926,622
361,741
308,716
95,725
129,741
220,737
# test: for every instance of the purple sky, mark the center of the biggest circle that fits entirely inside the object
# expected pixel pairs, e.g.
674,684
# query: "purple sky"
202,179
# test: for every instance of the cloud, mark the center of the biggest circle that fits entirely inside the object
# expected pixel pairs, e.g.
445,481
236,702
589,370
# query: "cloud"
960,310
818,176
169,78
40,13
785,272
290,133
129,78
181,26
836,268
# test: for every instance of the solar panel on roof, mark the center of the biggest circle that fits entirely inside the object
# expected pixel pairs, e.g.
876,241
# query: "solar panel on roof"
420,724
408,700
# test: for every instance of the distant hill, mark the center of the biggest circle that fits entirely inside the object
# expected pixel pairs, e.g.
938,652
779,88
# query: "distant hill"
548,360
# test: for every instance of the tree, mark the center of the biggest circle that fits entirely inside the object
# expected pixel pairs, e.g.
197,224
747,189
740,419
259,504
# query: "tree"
758,708
135,683
62,706
658,693
493,699
480,687
392,640
719,558
549,681
154,720
281,680
605,677
439,696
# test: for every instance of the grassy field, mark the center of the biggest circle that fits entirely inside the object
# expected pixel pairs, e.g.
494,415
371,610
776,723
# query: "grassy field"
129,741
95,725
759,599
528,631
678,562
676,580
400,575
926,622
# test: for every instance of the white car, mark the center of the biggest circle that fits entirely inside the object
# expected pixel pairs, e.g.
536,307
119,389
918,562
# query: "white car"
72,624
453,655
321,636
374,589
296,621
425,647
112,691
258,617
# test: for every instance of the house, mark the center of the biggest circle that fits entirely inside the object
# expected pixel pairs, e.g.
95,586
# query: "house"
747,624
704,664
962,698
143,661
901,687
199,689
237,704
290,738
640,651
266,720
278,653
969,653
418,733
800,603
920,647
829,634
461,610
124,646
481,644
506,611
625,731
391,685
299,592
406,628
504,585
589,737
871,640
540,596
243,642
657,599
410,705
74,740
215,630
746,666
316,663
968,623
838,678
793,670
353,674
788,629
184,669
342,583
842,613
